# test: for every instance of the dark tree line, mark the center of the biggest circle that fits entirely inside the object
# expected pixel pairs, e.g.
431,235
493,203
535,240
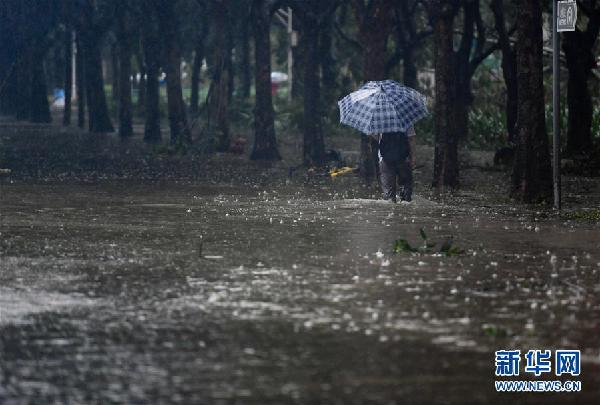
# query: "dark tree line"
364,39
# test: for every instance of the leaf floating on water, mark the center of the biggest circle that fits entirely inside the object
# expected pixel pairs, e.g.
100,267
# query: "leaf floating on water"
447,248
402,246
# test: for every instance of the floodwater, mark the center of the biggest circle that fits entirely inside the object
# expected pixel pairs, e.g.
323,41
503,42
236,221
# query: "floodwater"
124,292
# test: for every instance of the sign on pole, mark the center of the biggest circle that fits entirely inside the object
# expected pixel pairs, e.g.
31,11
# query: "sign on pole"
564,16
567,16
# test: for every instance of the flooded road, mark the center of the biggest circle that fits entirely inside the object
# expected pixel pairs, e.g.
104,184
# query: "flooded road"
218,294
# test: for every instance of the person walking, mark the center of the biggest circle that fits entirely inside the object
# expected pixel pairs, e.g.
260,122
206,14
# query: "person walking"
397,159
388,111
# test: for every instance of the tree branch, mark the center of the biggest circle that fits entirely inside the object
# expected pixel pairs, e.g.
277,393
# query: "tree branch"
346,38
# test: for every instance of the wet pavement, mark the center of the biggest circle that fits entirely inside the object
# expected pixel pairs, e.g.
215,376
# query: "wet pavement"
127,292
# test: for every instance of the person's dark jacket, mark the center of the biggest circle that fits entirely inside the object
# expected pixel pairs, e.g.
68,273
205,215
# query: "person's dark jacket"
394,147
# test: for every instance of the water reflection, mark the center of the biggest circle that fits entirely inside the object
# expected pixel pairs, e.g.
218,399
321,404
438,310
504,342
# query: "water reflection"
201,293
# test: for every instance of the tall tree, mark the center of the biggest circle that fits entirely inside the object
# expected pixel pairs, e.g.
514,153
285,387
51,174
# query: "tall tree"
509,68
25,42
467,60
581,59
94,20
316,17
265,142
221,75
39,108
68,62
141,73
328,60
242,9
125,34
445,171
531,177
8,58
374,25
151,48
80,81
199,56
408,39
168,24
113,66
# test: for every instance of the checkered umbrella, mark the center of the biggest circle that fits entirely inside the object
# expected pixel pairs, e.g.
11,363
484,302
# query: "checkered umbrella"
382,106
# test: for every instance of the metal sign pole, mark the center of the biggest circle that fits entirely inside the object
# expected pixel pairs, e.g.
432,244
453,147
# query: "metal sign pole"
556,106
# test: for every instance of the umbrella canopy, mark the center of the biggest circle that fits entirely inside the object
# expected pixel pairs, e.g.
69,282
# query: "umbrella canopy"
382,106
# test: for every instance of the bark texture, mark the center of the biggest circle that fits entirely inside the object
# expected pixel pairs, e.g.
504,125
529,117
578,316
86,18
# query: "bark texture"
374,22
168,23
532,176
445,170
265,142
509,69
581,59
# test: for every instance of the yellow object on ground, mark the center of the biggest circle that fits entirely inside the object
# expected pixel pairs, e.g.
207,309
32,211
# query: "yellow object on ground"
341,171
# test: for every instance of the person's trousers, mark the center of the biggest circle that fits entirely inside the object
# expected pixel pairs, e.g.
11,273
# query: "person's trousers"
394,174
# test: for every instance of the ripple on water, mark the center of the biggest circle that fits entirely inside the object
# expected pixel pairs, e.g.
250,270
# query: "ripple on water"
16,304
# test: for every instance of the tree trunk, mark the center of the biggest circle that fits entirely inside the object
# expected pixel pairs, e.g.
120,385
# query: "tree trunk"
509,69
40,109
374,29
314,145
445,170
579,51
152,131
141,101
463,72
178,123
220,93
407,41
374,34
410,69
327,62
68,72
151,49
114,72
265,143
244,65
532,176
80,81
8,58
196,70
124,82
8,63
23,79
229,62
98,116
579,101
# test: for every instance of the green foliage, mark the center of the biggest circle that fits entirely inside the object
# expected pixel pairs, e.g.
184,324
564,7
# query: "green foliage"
447,248
425,130
403,246
289,116
487,128
242,113
596,125
176,149
584,215
494,331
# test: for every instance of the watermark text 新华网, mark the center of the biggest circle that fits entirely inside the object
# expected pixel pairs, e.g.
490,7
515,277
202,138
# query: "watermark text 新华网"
538,363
